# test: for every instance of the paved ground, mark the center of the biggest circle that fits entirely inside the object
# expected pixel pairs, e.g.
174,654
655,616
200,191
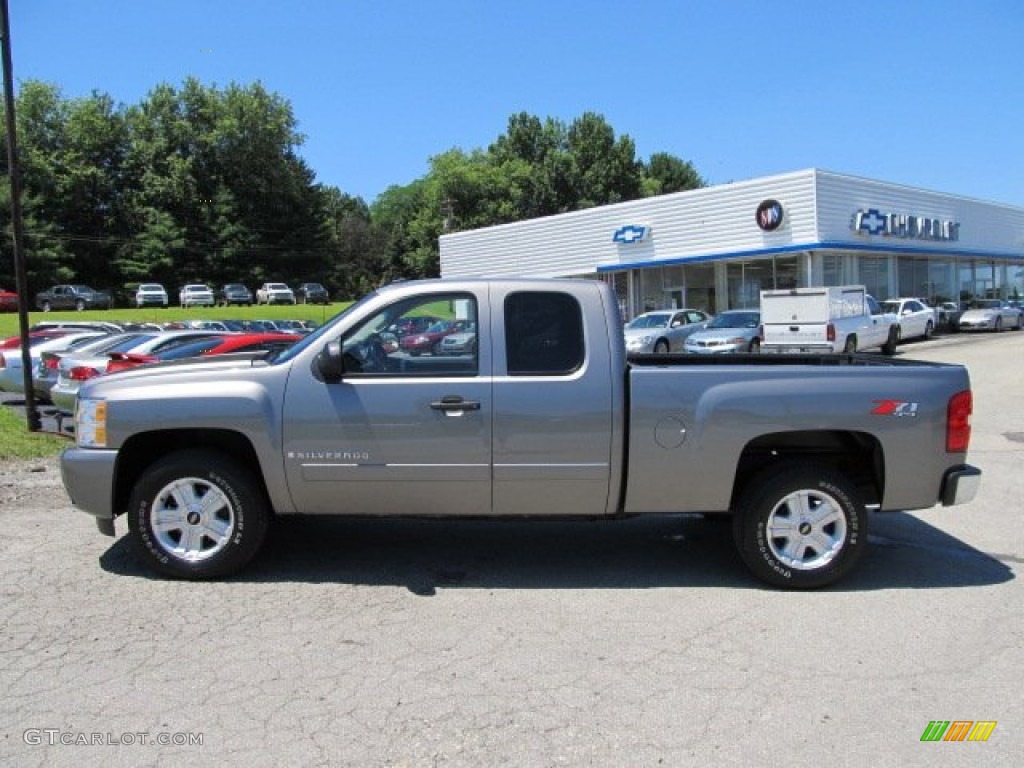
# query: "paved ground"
403,643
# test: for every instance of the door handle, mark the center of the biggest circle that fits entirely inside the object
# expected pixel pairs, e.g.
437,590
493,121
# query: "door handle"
454,404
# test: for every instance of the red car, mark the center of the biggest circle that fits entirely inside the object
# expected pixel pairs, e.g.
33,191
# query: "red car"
220,345
8,301
13,342
430,339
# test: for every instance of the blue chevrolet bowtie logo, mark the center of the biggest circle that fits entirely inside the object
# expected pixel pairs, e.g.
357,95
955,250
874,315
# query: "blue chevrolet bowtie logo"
631,233
871,221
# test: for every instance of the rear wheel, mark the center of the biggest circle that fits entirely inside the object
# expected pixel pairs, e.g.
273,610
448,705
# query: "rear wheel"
851,345
46,306
80,305
800,526
999,325
197,515
889,348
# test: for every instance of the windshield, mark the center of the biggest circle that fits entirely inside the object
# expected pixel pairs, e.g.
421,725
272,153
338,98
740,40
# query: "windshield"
736,320
989,304
650,321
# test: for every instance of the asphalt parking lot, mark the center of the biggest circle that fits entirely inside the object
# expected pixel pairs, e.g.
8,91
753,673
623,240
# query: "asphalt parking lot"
636,643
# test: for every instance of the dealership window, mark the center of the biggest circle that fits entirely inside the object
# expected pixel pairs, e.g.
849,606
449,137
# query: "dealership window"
786,272
874,275
700,287
746,279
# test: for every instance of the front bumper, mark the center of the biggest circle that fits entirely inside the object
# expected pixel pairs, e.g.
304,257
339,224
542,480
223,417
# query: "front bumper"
88,476
960,485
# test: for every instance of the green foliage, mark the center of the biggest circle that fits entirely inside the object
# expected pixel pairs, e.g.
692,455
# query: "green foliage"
204,184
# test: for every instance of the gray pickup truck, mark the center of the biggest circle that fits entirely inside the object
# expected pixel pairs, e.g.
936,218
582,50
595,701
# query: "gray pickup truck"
541,415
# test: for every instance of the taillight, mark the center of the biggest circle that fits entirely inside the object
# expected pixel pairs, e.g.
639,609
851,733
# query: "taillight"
958,422
51,363
82,372
3,361
830,332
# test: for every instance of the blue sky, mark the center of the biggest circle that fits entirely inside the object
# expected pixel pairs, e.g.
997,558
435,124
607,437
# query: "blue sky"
927,94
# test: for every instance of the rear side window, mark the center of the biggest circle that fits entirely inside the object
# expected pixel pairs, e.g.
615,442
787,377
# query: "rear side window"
543,334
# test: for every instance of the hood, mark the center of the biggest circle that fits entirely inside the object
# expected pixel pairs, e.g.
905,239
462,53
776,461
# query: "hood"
720,334
190,371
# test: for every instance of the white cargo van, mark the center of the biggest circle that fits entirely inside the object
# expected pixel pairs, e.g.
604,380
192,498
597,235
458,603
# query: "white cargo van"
835,319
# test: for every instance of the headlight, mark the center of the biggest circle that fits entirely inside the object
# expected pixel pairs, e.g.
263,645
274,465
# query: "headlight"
91,423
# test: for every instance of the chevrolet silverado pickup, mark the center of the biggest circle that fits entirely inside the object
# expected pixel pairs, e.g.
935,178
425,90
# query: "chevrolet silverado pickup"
545,416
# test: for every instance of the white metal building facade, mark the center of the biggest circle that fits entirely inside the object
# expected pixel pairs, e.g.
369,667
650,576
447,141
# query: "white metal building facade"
716,248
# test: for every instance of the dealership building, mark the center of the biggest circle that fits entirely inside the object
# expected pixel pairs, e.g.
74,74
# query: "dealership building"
716,248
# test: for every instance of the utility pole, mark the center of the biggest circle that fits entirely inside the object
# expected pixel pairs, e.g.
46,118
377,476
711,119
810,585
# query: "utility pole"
17,225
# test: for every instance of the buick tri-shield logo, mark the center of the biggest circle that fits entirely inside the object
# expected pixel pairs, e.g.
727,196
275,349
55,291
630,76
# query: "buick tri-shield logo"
631,233
769,215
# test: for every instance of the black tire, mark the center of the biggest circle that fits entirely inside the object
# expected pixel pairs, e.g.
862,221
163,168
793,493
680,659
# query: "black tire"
999,325
210,543
800,526
929,329
755,346
850,348
889,348
79,305
661,347
46,306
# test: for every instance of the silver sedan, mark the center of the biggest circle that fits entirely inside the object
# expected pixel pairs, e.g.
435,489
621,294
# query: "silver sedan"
991,315
732,331
663,331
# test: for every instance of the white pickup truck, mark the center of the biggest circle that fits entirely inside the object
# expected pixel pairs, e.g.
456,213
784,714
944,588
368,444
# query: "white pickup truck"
826,320
275,293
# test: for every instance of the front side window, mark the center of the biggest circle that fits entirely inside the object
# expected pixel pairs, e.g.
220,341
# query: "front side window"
543,334
433,335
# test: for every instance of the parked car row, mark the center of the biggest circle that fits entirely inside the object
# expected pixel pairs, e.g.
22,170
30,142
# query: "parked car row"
201,295
64,354
807,313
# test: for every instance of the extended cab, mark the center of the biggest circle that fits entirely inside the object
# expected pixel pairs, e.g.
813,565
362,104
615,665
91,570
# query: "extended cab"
543,417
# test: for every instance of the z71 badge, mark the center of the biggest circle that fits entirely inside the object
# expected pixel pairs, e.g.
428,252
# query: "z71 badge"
894,408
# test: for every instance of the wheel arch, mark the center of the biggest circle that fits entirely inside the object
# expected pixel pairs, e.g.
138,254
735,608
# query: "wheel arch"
858,455
141,450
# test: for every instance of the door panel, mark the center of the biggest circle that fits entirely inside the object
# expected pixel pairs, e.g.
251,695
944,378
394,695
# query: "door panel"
398,435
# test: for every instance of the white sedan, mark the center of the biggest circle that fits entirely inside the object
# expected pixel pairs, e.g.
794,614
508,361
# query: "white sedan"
915,318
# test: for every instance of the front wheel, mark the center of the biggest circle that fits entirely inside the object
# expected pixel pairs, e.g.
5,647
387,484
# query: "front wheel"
661,347
47,306
929,330
800,526
197,515
79,305
999,325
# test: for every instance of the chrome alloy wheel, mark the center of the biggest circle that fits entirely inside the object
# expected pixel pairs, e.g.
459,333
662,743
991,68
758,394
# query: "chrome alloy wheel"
806,529
192,519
